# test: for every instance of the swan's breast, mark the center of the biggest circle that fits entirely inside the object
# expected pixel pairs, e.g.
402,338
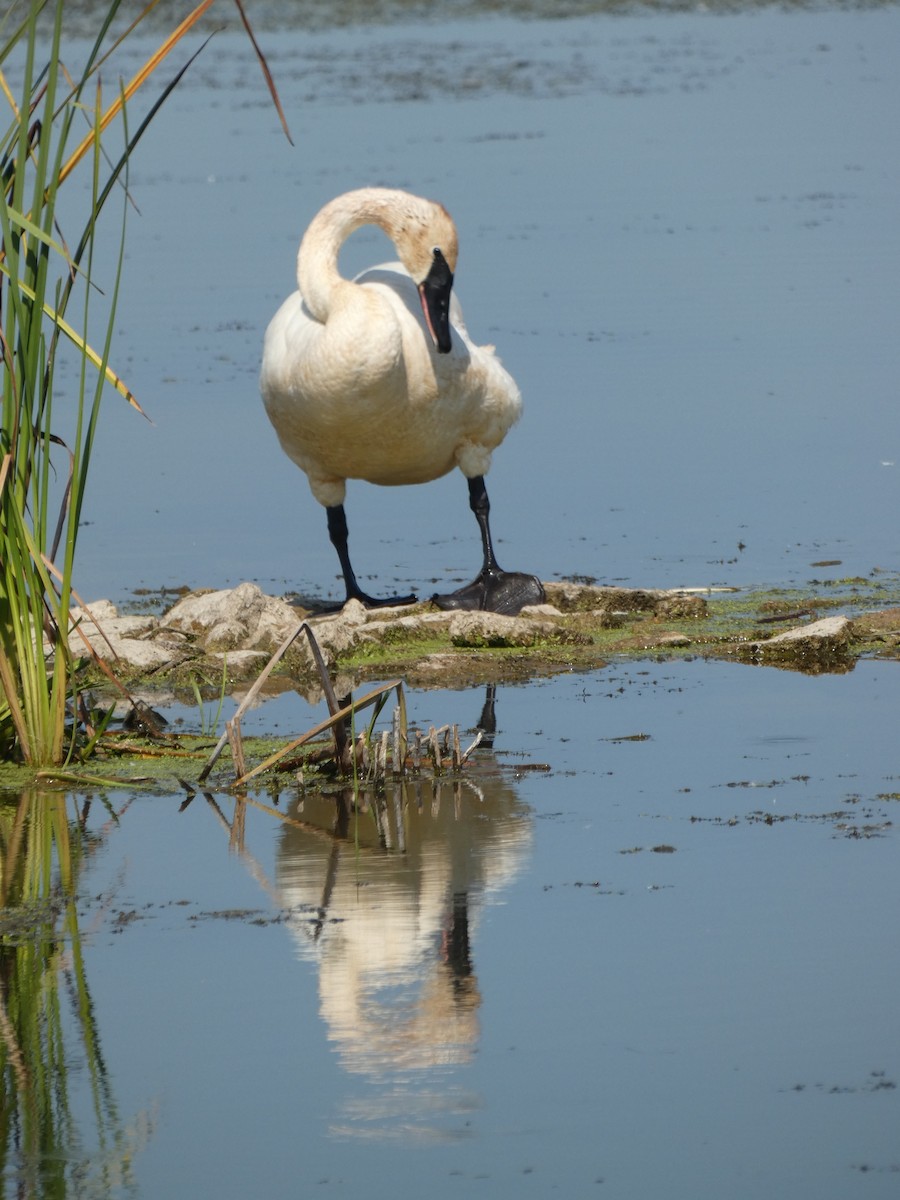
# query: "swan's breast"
366,396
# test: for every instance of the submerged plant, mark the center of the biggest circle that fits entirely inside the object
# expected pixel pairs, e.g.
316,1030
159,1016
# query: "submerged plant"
49,297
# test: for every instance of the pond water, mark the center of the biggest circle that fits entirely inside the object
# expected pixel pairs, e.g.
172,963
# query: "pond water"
648,947
680,232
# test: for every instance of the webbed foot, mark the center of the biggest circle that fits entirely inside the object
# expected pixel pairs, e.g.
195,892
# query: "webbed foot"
367,601
504,592
386,602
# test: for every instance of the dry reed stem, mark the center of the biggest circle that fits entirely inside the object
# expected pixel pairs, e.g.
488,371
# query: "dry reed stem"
251,696
236,741
478,736
372,763
342,714
435,750
338,731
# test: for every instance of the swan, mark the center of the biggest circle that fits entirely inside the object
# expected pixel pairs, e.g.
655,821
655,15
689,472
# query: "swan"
376,378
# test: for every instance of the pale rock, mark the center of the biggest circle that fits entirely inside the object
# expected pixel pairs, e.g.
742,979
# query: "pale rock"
102,617
241,664
410,626
145,655
125,639
582,597
337,634
355,612
819,646
835,630
668,639
238,618
478,629
487,629
828,628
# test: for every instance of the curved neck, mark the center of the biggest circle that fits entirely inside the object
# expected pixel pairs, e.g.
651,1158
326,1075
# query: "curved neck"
317,262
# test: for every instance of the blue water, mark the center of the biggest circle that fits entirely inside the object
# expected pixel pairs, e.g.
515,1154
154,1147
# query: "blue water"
680,232
664,961
680,976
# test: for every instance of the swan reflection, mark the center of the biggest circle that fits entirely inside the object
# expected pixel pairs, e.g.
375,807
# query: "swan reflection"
386,902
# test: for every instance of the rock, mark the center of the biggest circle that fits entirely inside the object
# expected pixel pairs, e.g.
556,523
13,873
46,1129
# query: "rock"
828,630
238,618
102,617
540,610
407,628
128,639
483,629
142,654
355,612
240,664
819,646
336,634
581,597
677,606
667,639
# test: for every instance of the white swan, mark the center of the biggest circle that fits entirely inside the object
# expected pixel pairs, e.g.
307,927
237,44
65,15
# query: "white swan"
376,378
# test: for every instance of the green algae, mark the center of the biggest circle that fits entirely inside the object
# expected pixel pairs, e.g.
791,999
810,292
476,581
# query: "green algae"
715,624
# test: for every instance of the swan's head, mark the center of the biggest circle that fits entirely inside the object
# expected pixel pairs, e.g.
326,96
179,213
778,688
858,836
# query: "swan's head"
427,244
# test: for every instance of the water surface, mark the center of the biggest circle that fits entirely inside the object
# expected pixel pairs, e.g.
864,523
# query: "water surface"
648,947
659,964
680,232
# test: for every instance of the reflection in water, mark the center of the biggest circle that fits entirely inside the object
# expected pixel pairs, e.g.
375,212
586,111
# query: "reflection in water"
52,1141
386,902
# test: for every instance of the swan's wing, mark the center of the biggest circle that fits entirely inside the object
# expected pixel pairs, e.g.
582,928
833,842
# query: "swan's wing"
289,335
400,284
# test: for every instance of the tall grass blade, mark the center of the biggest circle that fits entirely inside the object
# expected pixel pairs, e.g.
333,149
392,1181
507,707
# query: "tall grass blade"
40,508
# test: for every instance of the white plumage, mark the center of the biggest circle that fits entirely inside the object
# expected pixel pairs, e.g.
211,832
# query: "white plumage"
377,378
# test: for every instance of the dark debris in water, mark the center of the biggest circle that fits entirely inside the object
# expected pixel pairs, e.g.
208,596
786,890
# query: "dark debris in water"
847,823
877,1081
592,885
250,916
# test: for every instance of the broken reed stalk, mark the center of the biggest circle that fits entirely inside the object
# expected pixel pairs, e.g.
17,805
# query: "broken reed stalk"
457,757
236,741
371,759
478,736
250,697
341,715
339,730
435,750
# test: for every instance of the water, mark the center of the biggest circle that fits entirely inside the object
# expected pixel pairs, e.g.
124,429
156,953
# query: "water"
680,232
663,964
649,948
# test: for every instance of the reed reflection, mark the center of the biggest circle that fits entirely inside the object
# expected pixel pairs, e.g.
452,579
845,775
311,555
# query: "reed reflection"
61,1133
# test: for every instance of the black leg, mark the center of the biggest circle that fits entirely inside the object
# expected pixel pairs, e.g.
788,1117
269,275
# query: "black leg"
487,722
493,589
337,531
481,507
